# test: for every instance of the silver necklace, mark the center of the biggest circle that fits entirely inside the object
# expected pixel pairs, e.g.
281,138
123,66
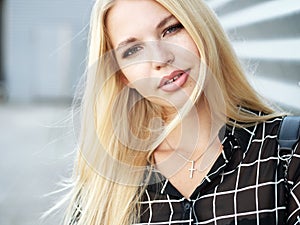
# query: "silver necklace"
192,169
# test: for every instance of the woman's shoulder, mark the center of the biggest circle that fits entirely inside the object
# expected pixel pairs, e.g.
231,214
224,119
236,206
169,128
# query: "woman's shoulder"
264,123
277,133
261,133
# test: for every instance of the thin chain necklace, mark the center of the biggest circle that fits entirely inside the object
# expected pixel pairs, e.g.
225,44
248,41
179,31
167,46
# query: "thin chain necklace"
192,169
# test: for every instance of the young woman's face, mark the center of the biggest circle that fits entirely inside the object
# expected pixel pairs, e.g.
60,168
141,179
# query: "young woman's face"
154,51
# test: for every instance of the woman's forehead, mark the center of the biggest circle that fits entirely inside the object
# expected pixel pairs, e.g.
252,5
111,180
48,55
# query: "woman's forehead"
134,9
127,18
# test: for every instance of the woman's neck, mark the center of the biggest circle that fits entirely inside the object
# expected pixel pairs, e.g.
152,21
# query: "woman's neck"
193,133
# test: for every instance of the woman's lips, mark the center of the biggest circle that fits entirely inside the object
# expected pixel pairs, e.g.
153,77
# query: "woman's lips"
174,81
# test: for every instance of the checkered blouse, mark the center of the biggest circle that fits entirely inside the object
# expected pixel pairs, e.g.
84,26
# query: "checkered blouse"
245,186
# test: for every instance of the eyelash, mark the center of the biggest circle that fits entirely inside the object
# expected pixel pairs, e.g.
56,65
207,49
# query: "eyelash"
172,29
131,51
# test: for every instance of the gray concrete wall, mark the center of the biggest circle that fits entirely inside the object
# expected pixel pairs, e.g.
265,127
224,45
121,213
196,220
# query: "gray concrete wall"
266,36
45,47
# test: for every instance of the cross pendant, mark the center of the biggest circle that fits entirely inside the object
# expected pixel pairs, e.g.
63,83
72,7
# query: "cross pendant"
192,169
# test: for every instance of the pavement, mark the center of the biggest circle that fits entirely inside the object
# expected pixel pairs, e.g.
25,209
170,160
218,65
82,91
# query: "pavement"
37,150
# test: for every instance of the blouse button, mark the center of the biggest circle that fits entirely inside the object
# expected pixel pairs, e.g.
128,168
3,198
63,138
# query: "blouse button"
187,206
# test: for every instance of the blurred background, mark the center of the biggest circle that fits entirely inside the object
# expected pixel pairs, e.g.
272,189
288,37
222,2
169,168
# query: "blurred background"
42,56
43,50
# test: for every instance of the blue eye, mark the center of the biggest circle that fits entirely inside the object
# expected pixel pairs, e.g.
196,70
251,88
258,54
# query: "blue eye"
131,51
172,29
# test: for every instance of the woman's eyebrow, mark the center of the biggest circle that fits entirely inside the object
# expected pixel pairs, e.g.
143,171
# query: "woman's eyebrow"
164,21
126,42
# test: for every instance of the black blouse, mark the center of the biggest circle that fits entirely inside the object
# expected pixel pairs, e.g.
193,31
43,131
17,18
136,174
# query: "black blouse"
245,186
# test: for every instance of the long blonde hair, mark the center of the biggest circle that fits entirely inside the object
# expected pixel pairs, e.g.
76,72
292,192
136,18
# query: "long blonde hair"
105,192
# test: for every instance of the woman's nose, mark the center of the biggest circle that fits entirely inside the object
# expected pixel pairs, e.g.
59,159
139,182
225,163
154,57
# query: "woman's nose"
162,55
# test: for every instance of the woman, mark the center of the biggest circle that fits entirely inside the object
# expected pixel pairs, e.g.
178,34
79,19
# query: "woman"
171,132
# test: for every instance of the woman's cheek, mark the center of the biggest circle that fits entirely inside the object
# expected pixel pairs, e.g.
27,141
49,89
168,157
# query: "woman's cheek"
184,45
136,73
